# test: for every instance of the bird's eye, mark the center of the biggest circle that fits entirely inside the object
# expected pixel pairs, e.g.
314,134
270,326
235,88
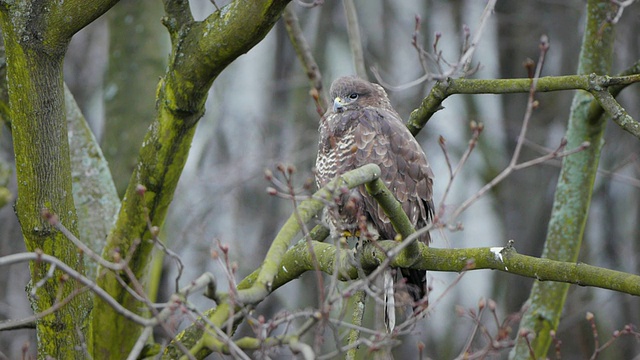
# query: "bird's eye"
353,96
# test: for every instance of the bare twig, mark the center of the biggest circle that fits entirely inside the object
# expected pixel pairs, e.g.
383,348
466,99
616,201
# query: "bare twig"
617,113
55,222
513,163
154,230
460,68
476,131
33,256
531,103
598,348
466,57
49,275
29,322
303,50
175,303
622,4
233,348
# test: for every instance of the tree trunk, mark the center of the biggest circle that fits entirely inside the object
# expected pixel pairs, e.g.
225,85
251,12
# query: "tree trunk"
36,34
43,169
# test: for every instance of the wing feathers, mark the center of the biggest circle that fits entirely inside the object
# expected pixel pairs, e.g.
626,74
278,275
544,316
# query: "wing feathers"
382,138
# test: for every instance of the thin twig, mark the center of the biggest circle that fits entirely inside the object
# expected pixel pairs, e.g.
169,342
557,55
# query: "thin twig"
513,163
460,68
622,4
305,55
33,256
544,47
465,59
55,222
29,322
476,131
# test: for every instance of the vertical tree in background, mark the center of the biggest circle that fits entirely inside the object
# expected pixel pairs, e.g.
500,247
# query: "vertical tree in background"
35,43
138,47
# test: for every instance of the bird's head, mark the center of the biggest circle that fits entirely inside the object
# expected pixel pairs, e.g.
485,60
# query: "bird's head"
353,93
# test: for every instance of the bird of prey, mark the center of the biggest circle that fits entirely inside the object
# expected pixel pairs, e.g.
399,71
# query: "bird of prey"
362,128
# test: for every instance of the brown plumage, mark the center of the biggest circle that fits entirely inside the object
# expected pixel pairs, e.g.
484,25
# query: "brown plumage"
362,128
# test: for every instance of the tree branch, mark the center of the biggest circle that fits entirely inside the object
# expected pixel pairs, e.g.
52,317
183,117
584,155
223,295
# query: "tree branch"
36,35
575,183
73,15
303,50
285,265
617,113
196,60
443,89
306,211
504,259
298,260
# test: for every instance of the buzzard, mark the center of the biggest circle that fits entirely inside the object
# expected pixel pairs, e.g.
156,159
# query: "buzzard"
362,128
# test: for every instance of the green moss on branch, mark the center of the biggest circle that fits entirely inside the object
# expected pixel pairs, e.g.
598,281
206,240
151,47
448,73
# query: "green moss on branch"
200,51
575,184
443,89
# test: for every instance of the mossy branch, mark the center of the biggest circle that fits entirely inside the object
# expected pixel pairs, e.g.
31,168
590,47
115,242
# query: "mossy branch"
443,89
358,304
303,50
307,210
617,113
298,260
196,60
393,209
255,287
70,16
287,264
197,56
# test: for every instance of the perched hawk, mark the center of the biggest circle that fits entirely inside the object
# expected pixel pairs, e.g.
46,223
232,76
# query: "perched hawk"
362,128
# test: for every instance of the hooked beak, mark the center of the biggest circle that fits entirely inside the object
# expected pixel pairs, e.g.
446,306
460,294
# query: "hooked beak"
338,104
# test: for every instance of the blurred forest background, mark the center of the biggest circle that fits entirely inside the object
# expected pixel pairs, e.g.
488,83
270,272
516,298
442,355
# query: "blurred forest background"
259,114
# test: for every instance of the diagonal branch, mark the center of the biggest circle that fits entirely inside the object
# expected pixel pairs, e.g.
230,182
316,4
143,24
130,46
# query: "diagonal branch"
306,211
297,260
196,60
617,113
303,50
285,264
